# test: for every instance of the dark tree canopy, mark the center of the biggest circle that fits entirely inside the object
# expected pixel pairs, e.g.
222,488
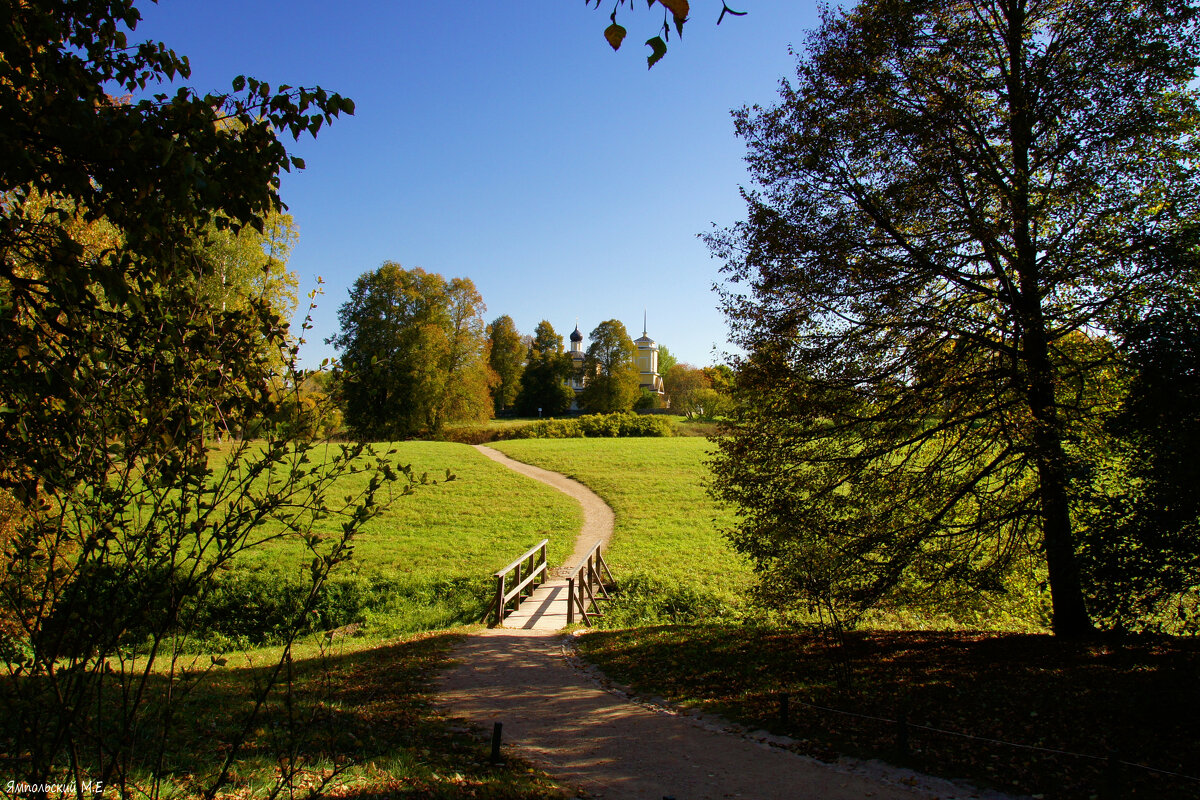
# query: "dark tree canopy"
953,198
154,173
1141,555
544,388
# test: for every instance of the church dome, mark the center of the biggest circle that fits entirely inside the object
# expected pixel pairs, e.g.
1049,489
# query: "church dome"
576,336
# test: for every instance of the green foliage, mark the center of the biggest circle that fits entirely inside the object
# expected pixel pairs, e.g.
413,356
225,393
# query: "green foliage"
646,599
648,400
506,356
308,410
248,609
666,360
544,391
590,425
116,369
1141,552
250,264
611,377
414,353
668,531
942,221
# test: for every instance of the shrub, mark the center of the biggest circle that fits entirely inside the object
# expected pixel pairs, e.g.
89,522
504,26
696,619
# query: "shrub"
594,426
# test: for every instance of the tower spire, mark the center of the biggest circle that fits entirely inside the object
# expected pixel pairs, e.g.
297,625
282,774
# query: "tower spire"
643,321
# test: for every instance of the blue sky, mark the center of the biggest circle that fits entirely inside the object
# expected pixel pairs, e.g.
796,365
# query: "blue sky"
507,143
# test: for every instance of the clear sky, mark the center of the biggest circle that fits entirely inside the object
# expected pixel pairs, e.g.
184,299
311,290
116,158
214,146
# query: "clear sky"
507,143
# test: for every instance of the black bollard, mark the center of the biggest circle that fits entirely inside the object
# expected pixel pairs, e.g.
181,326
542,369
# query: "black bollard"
902,733
496,729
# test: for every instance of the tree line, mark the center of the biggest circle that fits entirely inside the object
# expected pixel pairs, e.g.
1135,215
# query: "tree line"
416,354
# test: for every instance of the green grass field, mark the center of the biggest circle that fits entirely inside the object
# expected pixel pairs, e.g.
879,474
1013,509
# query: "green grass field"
667,551
472,525
423,564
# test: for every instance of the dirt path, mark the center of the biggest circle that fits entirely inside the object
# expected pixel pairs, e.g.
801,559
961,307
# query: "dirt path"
597,516
560,717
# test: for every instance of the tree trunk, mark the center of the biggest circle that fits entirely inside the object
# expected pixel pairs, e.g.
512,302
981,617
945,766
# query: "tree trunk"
1069,612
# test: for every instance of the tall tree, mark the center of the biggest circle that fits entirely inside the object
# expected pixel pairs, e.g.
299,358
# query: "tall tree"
414,353
610,369
544,388
949,193
115,369
506,356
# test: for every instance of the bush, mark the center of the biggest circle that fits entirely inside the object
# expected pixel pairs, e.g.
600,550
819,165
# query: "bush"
593,426
596,426
253,608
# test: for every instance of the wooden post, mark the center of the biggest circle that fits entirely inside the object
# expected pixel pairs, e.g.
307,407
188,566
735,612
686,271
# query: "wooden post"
496,731
570,601
499,600
520,592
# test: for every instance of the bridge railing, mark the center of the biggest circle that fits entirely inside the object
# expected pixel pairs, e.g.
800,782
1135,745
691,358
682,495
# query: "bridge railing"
585,586
525,573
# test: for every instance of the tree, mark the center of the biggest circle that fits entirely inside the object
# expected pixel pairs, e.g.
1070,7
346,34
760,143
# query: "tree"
948,194
610,369
1141,556
544,389
115,370
681,382
469,379
251,264
413,351
665,361
506,356
721,377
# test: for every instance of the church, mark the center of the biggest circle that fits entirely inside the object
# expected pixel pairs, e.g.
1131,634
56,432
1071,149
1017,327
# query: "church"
647,362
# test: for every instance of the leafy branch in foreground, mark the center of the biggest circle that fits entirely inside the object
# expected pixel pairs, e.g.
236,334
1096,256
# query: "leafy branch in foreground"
675,14
119,369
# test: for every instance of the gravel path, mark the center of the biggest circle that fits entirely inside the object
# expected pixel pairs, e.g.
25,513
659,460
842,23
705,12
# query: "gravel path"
560,716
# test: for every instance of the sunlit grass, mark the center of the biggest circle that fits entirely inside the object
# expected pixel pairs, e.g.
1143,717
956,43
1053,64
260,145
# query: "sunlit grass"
668,531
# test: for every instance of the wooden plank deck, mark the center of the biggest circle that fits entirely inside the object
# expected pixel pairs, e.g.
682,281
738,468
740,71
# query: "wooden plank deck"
544,610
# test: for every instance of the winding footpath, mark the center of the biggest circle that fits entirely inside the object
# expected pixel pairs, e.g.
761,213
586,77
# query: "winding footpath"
560,716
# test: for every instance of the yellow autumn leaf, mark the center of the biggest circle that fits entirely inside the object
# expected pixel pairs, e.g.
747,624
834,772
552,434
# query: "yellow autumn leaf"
679,8
615,34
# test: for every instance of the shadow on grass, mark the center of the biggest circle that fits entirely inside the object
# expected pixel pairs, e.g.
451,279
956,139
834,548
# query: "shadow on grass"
1135,701
350,722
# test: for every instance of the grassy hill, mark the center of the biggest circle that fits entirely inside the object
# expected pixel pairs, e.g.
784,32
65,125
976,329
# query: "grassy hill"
668,552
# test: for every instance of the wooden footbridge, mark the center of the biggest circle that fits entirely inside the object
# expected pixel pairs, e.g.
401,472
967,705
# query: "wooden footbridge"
528,596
